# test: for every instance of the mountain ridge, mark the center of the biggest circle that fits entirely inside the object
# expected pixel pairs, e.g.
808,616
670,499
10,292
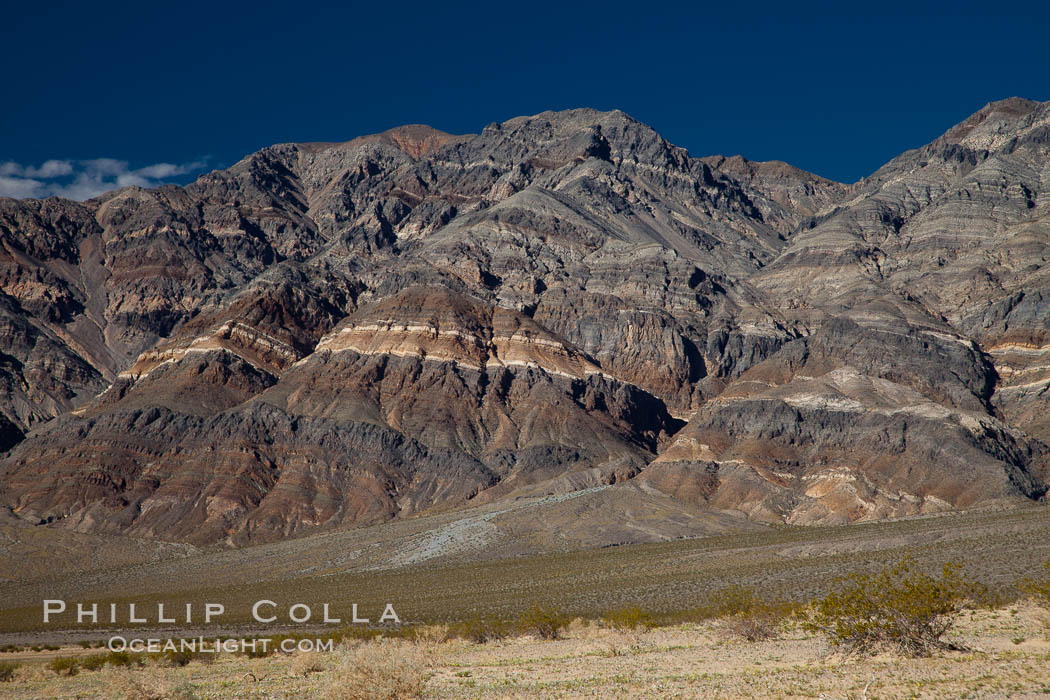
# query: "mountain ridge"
332,335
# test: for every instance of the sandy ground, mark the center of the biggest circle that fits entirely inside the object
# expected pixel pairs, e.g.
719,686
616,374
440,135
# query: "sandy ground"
1008,657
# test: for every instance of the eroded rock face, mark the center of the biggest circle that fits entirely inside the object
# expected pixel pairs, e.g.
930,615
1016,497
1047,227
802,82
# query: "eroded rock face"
327,335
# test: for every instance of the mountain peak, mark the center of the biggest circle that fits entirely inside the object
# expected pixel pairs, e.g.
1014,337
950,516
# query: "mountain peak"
997,122
417,140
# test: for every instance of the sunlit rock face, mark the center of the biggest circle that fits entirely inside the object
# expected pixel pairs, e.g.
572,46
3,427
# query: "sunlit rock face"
333,335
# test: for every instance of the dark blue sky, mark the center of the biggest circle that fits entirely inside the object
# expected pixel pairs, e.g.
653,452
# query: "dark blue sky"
832,88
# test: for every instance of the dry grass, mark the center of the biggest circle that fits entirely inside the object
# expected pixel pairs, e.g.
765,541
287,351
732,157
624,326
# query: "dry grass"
1009,658
432,634
151,682
1038,588
307,662
386,669
623,643
757,625
1044,621
146,684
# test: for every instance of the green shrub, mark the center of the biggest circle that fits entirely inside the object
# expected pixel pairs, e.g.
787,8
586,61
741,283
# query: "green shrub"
546,623
93,662
900,609
479,629
122,658
177,658
625,619
65,665
7,671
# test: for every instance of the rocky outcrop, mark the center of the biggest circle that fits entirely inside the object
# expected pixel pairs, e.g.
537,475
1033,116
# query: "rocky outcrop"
336,334
802,196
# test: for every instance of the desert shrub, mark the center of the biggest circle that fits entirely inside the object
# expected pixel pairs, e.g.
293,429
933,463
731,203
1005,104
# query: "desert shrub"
625,619
65,665
741,612
546,623
258,652
177,658
85,645
172,658
93,662
7,671
746,614
480,629
900,609
120,659
385,669
761,622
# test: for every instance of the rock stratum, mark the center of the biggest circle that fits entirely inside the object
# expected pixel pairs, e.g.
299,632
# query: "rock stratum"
563,307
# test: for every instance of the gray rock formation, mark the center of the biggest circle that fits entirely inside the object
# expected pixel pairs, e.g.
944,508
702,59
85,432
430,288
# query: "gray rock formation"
327,335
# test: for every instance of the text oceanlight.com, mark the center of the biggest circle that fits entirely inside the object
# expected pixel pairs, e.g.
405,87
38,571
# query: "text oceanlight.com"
200,645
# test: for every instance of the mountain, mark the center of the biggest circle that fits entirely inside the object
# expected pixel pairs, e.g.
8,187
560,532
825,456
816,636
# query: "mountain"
566,305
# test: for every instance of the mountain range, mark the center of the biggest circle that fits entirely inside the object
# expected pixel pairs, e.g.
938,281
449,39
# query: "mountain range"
564,307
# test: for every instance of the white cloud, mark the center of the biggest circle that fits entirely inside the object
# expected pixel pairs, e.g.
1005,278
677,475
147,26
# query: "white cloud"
51,168
84,179
19,187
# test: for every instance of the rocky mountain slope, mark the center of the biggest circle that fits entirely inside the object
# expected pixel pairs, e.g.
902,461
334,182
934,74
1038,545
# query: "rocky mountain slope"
331,335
